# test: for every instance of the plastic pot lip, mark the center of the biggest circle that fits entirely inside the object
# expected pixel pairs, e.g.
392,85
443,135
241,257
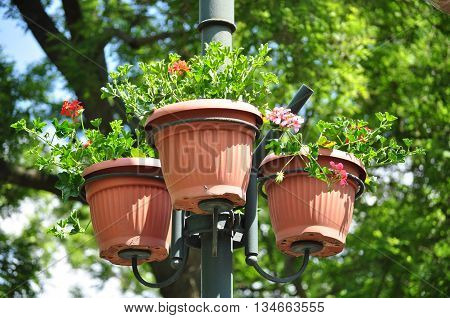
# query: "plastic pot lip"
122,162
329,153
202,104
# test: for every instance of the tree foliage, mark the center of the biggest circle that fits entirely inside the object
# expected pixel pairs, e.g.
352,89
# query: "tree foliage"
360,57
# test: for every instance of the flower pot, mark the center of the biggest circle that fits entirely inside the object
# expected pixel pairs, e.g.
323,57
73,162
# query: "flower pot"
303,209
129,208
443,5
205,147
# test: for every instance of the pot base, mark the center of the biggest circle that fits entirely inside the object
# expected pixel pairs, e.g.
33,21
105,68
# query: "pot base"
222,205
301,246
117,253
331,241
196,195
131,252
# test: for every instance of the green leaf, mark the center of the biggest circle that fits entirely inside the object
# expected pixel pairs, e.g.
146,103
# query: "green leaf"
96,122
38,125
69,184
63,129
380,116
390,117
407,141
68,226
137,153
19,125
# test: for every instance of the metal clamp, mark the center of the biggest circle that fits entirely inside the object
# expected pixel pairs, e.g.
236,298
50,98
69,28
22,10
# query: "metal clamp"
200,119
91,178
361,185
226,221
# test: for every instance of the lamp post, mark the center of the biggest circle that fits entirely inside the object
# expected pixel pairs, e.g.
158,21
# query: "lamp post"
222,230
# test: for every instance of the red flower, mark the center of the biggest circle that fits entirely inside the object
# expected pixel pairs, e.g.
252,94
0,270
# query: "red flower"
179,67
71,109
87,144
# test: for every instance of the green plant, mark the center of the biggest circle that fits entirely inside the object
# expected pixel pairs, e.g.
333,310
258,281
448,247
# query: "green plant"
370,145
72,147
220,73
66,148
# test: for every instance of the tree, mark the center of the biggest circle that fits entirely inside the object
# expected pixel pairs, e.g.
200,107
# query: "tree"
360,57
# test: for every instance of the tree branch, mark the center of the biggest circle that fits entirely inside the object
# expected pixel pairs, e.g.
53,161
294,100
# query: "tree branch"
73,13
42,27
29,178
136,43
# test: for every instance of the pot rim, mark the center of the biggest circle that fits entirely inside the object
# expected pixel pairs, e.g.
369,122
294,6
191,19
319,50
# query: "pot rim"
121,162
196,104
339,154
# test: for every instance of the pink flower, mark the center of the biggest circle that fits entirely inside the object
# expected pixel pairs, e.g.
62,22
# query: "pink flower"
339,173
285,118
296,123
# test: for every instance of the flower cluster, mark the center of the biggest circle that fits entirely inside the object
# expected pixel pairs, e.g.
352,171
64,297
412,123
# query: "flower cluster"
71,109
178,67
340,174
285,118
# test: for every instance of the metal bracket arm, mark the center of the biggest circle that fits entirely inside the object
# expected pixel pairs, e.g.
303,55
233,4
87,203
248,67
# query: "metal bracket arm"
167,282
253,261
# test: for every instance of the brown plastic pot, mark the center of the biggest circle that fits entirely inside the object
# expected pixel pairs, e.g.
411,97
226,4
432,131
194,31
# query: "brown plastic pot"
443,5
129,208
301,207
205,147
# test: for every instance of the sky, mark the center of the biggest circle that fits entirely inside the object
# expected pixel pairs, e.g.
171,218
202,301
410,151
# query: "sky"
21,47
18,45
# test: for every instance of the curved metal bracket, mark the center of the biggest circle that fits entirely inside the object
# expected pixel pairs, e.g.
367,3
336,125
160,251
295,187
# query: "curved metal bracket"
167,282
361,185
253,261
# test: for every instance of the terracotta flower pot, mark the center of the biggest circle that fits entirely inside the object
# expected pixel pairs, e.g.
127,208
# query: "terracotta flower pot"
443,5
128,209
205,147
302,208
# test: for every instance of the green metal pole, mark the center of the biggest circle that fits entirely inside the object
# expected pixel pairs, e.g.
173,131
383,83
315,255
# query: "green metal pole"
216,23
217,272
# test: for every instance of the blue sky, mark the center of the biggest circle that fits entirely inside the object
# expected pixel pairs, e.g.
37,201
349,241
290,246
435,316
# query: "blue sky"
18,45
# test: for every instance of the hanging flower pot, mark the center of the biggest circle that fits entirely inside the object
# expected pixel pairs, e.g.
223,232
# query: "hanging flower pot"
205,147
443,5
303,208
130,208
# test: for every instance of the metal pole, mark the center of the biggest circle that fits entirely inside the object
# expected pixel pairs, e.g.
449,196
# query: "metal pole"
251,206
177,245
217,272
216,23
